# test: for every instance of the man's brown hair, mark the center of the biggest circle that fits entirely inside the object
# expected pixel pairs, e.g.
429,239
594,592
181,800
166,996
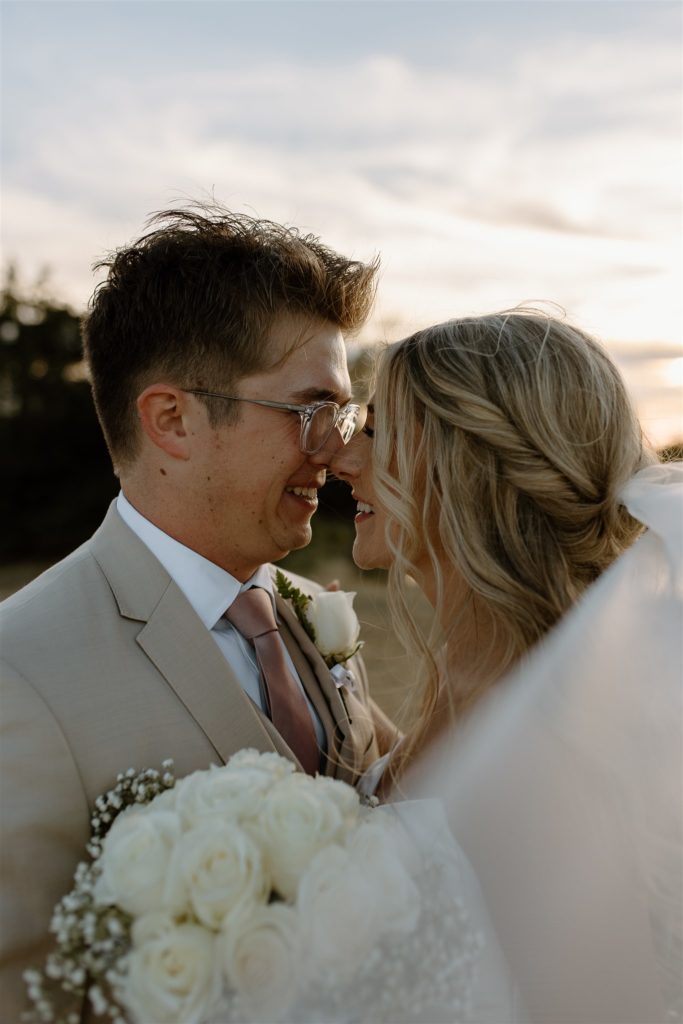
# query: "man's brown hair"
193,300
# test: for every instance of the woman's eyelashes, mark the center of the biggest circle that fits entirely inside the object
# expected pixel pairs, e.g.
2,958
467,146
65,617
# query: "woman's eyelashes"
369,431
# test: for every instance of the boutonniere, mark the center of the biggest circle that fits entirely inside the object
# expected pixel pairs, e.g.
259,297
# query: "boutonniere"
331,623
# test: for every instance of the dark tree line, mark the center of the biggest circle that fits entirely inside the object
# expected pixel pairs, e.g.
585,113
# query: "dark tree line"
56,474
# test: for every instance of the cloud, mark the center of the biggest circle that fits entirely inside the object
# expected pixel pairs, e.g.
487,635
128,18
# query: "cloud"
554,175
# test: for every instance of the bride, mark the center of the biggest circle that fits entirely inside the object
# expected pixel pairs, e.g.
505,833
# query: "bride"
503,470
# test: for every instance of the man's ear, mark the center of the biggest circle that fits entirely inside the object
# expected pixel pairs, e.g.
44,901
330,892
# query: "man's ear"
163,412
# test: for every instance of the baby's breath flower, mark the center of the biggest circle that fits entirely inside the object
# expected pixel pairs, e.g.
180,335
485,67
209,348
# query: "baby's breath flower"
115,927
89,938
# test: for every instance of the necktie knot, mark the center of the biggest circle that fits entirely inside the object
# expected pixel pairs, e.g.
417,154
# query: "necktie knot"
252,613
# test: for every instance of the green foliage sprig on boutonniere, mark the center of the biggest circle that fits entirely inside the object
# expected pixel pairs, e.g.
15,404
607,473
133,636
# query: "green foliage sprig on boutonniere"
299,600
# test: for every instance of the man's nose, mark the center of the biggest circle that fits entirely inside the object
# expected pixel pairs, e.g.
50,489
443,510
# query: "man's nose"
333,447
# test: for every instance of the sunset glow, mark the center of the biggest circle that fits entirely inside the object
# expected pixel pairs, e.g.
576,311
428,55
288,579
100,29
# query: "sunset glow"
492,152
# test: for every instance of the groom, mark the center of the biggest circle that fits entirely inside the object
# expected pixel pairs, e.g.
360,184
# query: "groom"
219,374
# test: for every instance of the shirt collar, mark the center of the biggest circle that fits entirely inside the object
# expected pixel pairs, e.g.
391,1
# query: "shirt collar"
208,588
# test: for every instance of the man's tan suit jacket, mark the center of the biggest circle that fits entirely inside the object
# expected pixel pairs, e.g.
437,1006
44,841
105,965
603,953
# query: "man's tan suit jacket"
106,666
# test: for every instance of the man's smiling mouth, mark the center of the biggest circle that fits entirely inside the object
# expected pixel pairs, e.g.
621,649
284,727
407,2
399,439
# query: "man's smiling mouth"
311,493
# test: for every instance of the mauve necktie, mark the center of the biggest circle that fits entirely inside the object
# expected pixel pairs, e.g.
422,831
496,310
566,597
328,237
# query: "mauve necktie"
252,614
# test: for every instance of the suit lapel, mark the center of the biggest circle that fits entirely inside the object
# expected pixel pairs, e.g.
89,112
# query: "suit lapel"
310,683
321,689
179,645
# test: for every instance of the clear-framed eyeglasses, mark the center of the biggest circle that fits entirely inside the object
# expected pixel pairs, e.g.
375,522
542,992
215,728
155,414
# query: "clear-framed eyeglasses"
318,420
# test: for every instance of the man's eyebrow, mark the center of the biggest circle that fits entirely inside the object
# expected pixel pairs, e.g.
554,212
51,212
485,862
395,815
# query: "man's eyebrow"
316,395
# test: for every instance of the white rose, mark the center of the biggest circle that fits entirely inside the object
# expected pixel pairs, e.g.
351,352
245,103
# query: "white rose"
135,859
165,801
215,867
339,915
173,978
344,796
375,848
296,820
260,951
151,926
225,793
334,622
278,766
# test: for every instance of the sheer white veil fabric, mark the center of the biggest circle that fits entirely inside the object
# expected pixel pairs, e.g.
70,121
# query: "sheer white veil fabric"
565,790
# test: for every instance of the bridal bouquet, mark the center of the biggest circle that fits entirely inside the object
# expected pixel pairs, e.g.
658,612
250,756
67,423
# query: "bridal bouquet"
250,892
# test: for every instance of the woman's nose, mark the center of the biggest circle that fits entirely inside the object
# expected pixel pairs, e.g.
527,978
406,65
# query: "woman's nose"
346,462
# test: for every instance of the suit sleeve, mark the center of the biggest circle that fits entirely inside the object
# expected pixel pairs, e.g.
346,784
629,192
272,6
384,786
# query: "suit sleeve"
44,822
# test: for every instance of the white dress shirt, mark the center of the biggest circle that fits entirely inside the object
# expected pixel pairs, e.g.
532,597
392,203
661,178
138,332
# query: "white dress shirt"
211,590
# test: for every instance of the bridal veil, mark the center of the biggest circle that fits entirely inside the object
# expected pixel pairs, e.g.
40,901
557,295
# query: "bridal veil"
565,790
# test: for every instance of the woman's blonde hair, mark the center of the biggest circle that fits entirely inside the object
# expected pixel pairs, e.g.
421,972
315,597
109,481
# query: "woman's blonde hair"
501,446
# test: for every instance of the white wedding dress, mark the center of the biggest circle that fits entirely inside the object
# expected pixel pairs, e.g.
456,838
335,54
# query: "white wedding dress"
565,793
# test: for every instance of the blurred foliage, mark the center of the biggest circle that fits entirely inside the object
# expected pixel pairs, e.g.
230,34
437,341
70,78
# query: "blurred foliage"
56,474
672,452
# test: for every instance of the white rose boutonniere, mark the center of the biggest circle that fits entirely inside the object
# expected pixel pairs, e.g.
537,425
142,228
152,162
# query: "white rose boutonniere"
335,624
328,618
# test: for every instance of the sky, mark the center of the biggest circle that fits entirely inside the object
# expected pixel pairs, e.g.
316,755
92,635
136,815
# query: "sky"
491,152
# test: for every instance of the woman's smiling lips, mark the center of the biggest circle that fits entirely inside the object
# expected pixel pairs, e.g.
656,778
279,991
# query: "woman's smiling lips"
364,510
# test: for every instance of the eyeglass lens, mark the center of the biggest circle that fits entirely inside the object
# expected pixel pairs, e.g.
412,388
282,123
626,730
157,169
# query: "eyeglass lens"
322,423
